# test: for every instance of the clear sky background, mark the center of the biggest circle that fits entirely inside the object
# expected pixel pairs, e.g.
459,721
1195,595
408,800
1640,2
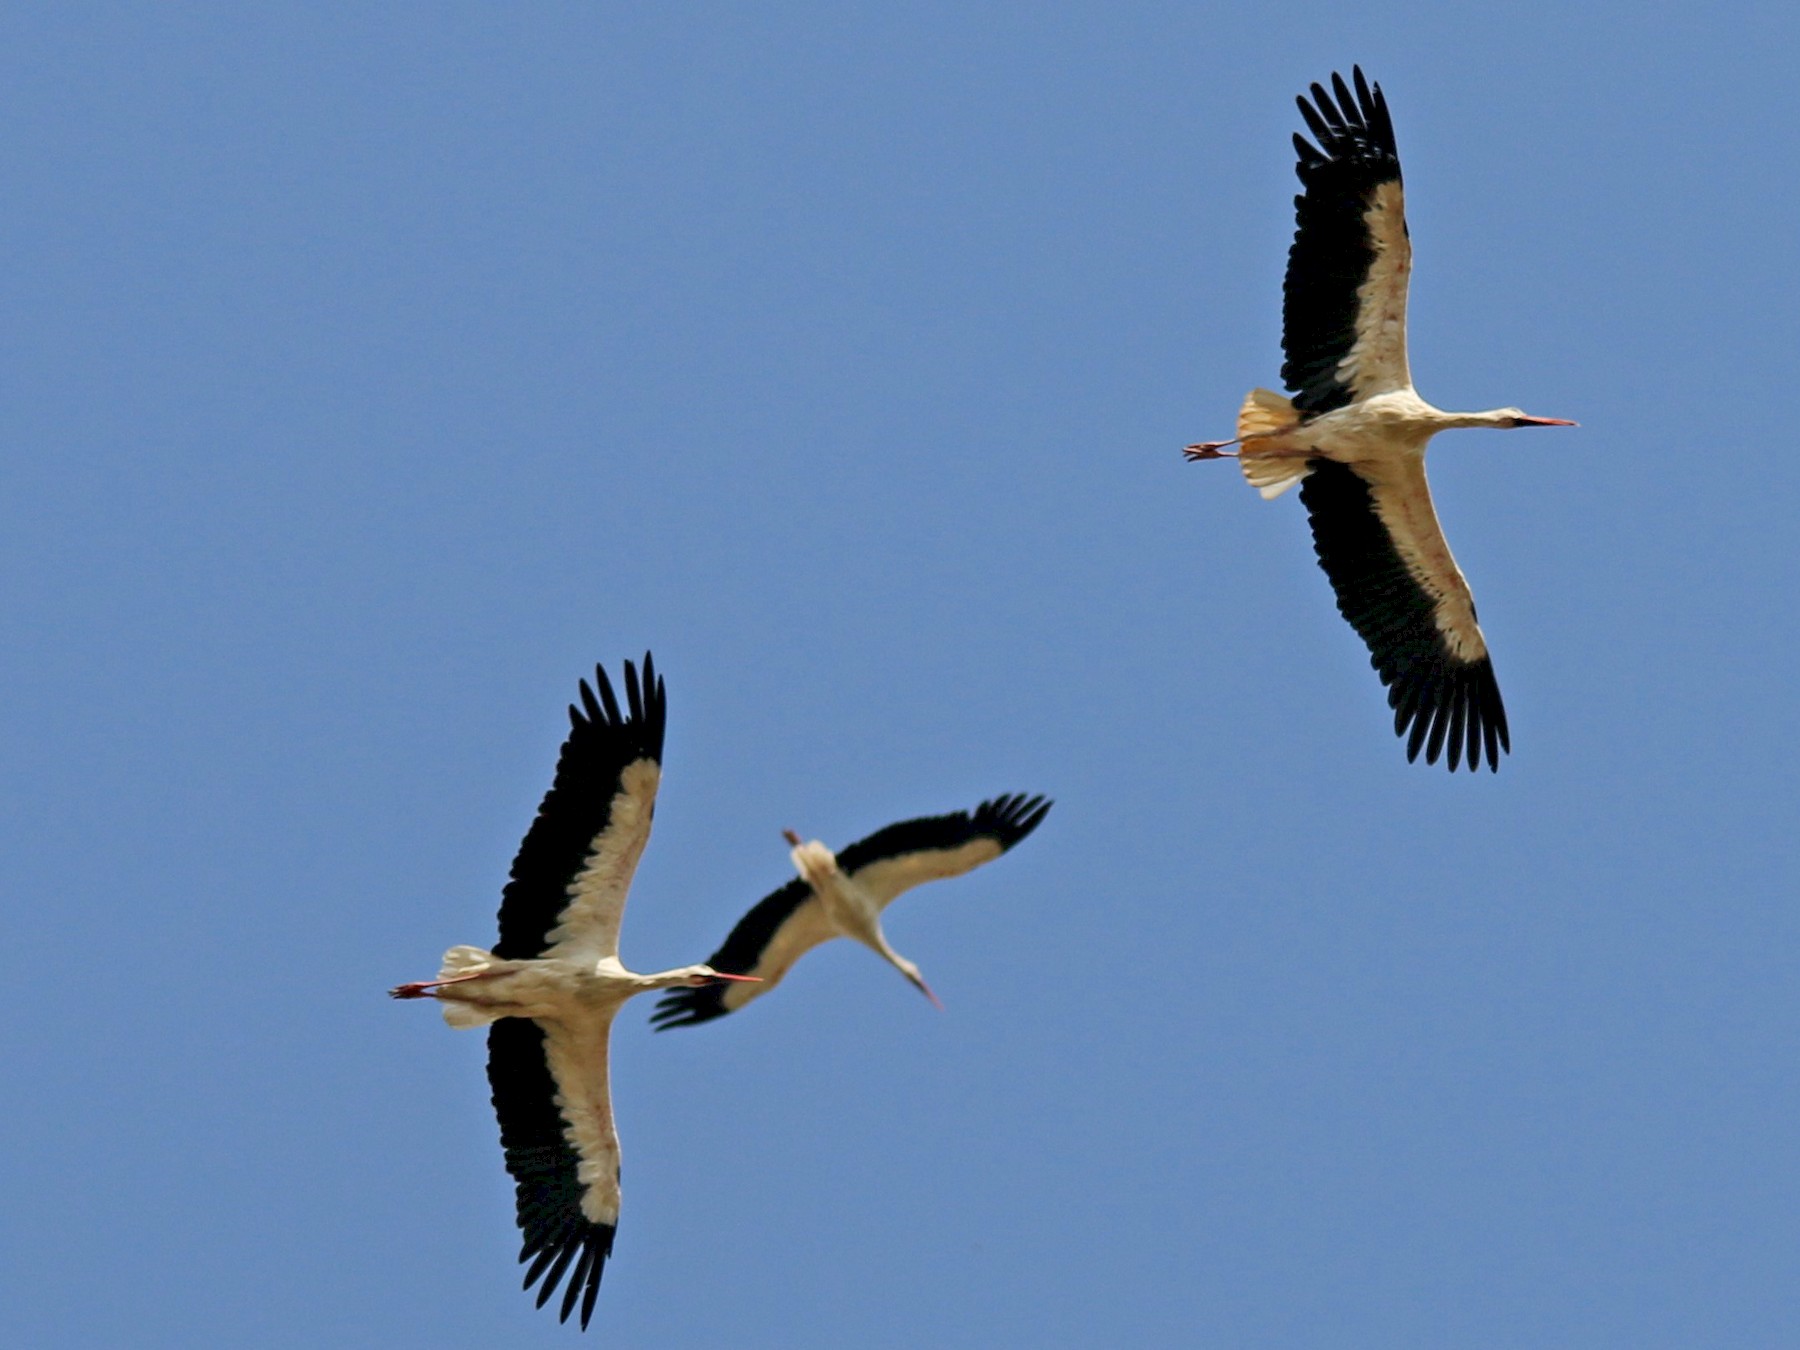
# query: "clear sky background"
372,372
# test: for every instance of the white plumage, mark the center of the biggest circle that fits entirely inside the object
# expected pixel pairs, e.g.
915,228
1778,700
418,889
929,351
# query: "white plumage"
549,989
1354,434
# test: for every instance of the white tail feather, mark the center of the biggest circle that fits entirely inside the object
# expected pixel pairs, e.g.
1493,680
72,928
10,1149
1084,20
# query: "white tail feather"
462,1015
1266,413
464,961
467,1016
1273,475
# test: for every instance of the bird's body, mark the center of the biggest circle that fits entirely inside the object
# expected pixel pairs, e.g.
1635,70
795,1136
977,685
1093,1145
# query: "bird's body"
852,910
849,908
544,988
1354,434
844,894
550,988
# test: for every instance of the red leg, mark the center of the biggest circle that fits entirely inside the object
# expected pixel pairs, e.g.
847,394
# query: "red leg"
424,988
1209,450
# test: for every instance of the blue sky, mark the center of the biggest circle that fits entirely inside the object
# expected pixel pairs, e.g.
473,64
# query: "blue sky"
372,373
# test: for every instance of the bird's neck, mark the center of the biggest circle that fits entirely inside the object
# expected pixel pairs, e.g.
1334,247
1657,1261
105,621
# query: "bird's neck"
610,973
667,979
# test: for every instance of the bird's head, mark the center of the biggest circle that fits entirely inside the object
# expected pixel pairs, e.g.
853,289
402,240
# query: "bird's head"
918,981
1518,417
698,977
911,971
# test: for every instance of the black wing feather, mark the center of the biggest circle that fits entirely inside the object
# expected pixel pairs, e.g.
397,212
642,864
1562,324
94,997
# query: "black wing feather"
1331,253
603,741
1438,698
544,1168
1006,820
737,956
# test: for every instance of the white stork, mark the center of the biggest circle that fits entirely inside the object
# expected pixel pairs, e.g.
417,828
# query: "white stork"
1354,434
549,989
843,895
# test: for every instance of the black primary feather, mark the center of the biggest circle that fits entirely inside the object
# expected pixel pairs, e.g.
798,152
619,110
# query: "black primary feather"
545,1171
1006,820
1332,252
1439,700
603,741
737,956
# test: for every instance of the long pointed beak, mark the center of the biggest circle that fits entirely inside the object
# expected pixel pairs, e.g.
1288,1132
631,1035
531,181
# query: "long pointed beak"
792,838
1547,422
925,989
741,979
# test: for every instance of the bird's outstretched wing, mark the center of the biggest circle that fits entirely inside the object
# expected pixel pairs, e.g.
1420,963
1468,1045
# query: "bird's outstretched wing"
1378,541
779,929
567,893
562,1151
784,926
902,856
1344,300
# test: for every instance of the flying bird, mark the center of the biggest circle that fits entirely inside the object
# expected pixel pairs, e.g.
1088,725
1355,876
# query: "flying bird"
842,895
549,989
1354,434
